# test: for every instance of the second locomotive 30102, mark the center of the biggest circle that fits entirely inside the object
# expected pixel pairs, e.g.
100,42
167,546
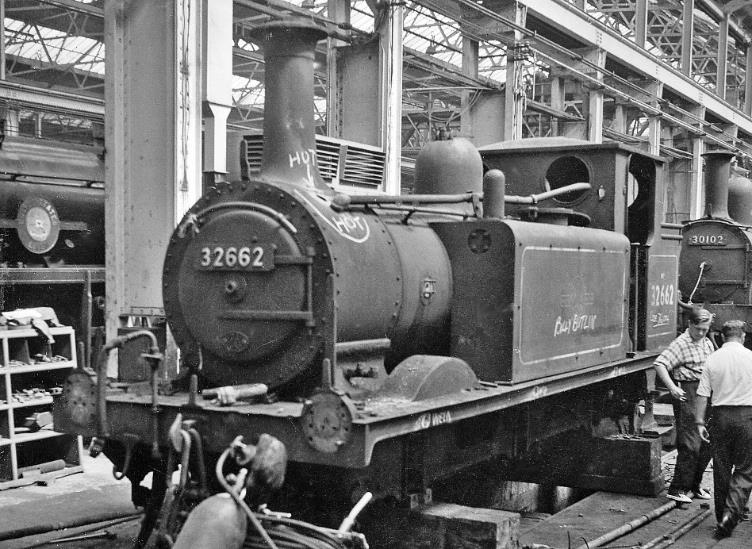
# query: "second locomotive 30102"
390,342
715,266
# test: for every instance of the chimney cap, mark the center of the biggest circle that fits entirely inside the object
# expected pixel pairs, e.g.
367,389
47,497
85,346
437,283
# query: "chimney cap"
295,25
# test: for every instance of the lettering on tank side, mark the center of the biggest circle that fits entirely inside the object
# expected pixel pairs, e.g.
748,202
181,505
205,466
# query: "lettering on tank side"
662,295
577,303
584,316
351,227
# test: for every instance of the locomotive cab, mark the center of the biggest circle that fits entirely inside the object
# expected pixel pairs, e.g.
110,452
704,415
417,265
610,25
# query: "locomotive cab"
626,197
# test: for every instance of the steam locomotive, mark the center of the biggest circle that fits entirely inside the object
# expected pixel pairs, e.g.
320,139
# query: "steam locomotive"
52,230
715,266
392,341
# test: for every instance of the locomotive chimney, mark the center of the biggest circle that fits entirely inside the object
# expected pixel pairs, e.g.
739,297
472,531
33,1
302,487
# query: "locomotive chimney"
289,152
717,174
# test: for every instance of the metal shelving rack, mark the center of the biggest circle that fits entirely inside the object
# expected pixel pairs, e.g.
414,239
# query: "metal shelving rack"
35,451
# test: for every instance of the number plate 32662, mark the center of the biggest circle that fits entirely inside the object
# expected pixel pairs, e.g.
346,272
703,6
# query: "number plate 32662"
236,258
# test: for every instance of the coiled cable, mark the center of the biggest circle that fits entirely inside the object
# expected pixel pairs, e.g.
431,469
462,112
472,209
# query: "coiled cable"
282,532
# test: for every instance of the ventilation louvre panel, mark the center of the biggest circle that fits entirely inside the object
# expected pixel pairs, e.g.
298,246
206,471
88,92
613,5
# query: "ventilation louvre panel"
340,162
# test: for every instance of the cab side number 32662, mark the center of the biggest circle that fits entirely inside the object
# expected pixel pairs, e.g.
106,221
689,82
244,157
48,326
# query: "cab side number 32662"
661,294
233,257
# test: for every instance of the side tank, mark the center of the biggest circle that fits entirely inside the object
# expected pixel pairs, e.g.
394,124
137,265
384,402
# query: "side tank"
534,300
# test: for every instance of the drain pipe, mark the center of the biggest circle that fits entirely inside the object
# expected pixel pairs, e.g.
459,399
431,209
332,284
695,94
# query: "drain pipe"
628,527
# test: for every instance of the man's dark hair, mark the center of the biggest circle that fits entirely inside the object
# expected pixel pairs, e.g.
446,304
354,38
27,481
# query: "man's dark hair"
698,315
733,328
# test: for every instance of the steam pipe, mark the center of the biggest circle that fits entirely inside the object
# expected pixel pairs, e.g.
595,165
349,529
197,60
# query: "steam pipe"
154,357
535,198
289,153
717,175
343,201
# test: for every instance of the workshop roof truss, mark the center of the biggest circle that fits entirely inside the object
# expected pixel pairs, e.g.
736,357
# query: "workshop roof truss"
61,47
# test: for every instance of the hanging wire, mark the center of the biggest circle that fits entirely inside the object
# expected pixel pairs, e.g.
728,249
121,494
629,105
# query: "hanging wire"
697,284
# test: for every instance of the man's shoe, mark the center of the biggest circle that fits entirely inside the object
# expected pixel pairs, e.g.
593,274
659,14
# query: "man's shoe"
701,493
725,527
681,497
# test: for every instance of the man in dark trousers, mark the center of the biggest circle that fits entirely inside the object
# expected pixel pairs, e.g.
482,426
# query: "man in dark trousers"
728,379
679,367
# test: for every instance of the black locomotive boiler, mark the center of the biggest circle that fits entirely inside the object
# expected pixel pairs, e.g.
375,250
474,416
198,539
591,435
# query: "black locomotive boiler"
391,342
52,230
715,256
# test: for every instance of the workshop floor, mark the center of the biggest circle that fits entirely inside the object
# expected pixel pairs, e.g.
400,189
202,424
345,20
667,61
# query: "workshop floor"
64,503
37,516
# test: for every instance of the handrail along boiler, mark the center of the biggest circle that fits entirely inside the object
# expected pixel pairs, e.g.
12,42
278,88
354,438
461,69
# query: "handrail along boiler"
401,339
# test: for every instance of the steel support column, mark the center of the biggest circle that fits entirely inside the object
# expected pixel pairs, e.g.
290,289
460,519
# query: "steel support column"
2,40
339,11
748,83
514,93
654,124
722,59
619,123
697,198
470,68
557,103
216,84
153,130
595,99
391,104
688,35
641,23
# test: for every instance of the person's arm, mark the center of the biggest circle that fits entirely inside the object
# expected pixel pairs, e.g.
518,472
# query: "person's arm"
700,408
676,391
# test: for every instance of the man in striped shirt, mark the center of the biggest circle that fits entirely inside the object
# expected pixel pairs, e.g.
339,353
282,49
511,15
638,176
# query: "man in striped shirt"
679,367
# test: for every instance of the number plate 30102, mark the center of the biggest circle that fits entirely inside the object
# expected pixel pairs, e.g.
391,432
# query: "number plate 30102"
235,258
